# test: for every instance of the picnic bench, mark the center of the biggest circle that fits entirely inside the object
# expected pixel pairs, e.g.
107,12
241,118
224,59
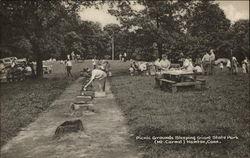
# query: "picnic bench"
175,79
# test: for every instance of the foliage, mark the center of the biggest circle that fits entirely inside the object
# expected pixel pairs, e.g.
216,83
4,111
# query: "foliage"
41,30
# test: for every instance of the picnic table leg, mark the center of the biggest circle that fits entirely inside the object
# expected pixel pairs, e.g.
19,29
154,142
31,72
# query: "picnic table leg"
174,89
157,82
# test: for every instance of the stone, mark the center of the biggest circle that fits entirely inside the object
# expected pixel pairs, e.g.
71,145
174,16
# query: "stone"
84,98
100,94
69,127
77,106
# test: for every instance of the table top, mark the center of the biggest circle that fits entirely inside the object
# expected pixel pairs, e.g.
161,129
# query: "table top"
178,72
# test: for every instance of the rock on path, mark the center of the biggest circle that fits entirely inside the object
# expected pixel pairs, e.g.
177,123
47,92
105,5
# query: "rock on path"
105,136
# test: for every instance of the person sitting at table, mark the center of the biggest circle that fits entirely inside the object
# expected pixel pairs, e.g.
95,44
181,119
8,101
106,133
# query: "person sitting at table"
164,63
157,64
188,65
198,69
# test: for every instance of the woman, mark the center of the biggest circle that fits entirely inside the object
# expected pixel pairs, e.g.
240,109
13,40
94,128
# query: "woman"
164,63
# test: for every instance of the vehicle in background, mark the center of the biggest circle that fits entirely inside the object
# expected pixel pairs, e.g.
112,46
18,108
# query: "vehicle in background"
21,61
223,60
7,61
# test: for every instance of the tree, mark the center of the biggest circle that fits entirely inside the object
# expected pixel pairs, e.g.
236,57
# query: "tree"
209,25
159,21
239,33
35,20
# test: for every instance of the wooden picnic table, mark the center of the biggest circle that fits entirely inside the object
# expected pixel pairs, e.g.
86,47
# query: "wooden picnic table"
179,78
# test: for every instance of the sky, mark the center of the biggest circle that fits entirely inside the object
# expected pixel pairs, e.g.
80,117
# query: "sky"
234,10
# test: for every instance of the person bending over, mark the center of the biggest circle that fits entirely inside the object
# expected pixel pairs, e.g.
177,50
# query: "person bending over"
100,75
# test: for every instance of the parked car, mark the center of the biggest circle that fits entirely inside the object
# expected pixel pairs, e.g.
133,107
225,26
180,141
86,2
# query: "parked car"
223,60
7,61
21,61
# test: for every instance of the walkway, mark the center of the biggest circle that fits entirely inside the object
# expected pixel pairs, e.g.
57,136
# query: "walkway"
105,136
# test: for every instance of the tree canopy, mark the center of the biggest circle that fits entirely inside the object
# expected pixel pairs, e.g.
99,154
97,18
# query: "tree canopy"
42,29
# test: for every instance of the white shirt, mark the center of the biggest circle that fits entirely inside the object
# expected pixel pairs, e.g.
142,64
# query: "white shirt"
228,63
164,64
98,74
68,56
206,58
198,69
157,63
143,67
188,65
68,63
221,65
212,57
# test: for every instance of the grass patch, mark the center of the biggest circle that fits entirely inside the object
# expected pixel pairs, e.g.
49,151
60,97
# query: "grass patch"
22,102
223,109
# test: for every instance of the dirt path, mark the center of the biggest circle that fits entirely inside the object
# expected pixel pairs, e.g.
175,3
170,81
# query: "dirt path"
106,134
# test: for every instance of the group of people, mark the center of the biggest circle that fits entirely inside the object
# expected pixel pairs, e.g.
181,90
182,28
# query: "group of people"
123,57
100,71
204,65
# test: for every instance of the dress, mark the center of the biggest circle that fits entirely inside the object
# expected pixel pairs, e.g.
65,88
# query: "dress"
164,64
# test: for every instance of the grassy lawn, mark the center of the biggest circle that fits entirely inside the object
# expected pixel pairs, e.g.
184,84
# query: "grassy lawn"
21,102
221,110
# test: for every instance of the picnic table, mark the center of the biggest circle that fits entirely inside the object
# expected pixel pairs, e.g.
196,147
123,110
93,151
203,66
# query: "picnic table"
172,79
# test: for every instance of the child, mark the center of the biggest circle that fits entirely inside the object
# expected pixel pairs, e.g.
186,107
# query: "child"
221,66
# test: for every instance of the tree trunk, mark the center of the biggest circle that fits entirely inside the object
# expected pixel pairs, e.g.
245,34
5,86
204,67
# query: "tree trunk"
39,61
39,66
159,43
159,46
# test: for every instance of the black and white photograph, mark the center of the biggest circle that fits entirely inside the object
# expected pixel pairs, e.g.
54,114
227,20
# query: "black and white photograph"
124,79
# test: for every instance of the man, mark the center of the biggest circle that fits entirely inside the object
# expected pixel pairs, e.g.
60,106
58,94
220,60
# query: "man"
246,64
235,65
120,57
99,76
164,63
69,67
206,63
125,56
212,59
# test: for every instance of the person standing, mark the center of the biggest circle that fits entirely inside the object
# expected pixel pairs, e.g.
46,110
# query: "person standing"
125,56
246,63
206,63
73,55
120,57
69,68
68,56
94,63
211,61
235,65
228,65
